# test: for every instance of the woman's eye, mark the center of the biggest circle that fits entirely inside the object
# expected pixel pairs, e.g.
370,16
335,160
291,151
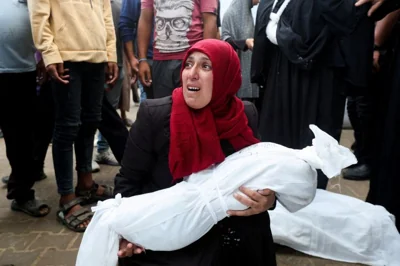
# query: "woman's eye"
188,64
207,67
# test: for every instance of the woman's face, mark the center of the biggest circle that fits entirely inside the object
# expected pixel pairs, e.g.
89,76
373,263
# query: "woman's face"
197,80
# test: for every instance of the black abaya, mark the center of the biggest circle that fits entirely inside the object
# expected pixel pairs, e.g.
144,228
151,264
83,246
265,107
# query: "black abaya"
385,181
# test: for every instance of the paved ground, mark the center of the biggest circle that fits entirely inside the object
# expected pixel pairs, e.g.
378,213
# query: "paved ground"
26,241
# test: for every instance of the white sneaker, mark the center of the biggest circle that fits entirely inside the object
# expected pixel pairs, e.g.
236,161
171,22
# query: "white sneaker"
106,157
95,167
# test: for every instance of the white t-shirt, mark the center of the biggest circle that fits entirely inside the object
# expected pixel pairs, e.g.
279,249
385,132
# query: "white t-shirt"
17,51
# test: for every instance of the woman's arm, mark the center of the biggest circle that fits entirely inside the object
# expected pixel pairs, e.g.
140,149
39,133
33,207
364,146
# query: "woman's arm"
137,161
228,36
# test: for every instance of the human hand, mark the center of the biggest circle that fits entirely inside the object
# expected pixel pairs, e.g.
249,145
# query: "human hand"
145,73
250,43
375,5
134,68
111,73
127,249
57,72
376,65
257,201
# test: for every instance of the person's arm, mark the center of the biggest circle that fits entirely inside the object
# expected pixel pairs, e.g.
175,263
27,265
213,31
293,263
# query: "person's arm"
128,22
144,30
228,35
380,8
239,44
39,13
136,164
384,27
209,9
209,26
110,30
144,35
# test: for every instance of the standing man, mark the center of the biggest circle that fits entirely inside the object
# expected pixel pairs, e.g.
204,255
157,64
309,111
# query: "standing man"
178,24
18,86
112,94
128,24
77,42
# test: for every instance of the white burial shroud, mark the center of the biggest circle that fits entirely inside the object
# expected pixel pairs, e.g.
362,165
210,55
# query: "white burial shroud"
175,217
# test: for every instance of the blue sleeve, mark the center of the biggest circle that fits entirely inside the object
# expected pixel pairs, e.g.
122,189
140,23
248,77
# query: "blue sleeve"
129,18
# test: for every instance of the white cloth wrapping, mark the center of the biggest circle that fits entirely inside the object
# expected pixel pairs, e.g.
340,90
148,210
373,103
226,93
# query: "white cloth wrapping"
274,18
341,228
173,218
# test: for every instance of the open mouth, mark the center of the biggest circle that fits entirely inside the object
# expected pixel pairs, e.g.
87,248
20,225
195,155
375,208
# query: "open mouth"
193,89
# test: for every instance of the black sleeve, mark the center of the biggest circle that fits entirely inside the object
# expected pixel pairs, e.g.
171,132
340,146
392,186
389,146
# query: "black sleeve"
341,15
136,163
237,44
219,15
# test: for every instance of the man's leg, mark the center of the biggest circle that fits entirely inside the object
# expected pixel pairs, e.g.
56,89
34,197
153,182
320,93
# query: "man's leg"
104,155
354,121
93,78
45,127
20,88
67,102
112,127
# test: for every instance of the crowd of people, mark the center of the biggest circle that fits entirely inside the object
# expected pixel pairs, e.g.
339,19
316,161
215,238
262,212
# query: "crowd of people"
207,88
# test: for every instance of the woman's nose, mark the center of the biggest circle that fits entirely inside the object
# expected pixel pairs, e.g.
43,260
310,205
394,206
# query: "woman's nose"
194,73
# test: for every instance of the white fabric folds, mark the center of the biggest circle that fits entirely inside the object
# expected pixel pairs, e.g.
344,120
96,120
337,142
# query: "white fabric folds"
173,218
341,228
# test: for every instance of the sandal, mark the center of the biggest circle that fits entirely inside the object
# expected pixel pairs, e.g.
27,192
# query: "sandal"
75,219
90,195
31,207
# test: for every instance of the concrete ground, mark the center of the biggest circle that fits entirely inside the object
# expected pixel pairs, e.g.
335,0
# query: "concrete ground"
26,241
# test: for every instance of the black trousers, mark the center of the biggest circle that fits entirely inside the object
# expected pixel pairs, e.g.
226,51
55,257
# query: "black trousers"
360,111
111,126
166,75
113,129
44,125
17,91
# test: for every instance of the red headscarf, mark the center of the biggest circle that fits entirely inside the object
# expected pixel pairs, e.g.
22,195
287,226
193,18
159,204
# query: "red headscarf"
196,134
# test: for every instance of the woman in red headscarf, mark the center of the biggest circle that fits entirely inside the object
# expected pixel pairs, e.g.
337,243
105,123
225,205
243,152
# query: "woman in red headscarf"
173,137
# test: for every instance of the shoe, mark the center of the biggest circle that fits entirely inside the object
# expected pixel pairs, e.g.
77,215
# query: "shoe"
95,167
41,176
357,172
106,157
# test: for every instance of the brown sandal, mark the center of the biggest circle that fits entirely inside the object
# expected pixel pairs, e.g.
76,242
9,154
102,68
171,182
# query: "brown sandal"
75,219
90,195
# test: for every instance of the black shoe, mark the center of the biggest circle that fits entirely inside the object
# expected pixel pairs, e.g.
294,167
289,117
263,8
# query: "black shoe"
41,176
357,172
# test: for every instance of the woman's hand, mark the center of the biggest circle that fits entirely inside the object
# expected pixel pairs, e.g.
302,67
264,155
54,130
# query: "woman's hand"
375,5
257,201
127,249
250,44
376,65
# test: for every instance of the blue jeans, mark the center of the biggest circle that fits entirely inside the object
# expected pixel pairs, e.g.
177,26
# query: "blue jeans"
77,116
102,144
143,95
